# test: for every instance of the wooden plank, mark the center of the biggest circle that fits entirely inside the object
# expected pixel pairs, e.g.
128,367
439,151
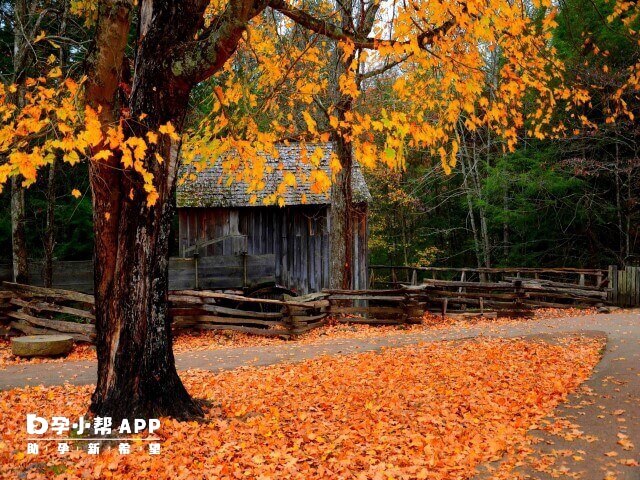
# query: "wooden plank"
308,327
308,318
306,298
613,284
369,310
24,327
255,331
51,307
395,291
548,283
622,288
635,287
473,315
197,319
61,326
50,292
381,298
203,309
542,270
240,298
456,284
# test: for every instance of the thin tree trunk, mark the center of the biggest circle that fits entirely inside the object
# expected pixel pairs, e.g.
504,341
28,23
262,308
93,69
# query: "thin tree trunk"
50,227
484,231
630,201
22,59
474,228
49,233
18,235
403,226
505,225
466,172
342,210
342,221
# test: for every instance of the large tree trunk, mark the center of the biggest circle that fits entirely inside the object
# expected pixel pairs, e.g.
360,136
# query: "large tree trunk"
174,50
136,367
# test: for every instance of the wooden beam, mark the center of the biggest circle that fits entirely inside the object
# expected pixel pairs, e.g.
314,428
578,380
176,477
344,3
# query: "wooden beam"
52,307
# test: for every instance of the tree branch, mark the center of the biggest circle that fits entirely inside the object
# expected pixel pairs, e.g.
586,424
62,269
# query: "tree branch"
337,33
380,70
197,60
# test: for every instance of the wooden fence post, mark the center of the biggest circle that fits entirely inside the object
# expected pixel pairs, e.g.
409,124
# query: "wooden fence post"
613,284
196,255
244,270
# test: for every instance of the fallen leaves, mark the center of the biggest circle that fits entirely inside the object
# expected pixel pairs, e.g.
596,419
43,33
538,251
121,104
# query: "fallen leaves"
624,442
432,411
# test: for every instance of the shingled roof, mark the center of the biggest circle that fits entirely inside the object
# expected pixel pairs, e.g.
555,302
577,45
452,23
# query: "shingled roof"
207,191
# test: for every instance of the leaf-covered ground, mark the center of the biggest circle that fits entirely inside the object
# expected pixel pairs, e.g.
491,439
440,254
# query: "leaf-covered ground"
212,340
432,411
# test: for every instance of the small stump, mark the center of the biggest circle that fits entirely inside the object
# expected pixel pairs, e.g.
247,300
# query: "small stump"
41,345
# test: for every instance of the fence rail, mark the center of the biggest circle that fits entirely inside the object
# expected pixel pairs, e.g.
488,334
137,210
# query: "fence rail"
37,310
385,276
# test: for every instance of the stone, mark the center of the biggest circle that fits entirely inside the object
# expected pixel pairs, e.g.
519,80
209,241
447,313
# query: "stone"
41,345
607,309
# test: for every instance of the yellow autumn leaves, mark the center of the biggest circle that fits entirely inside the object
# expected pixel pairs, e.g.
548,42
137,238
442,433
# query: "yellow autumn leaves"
54,123
475,73
51,122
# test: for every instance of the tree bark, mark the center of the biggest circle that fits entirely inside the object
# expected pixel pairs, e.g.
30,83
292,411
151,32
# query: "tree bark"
136,367
49,232
18,237
342,219
472,218
22,60
343,212
174,50
50,227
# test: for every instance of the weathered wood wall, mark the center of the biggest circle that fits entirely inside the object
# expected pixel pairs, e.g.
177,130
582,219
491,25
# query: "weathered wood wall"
625,286
69,275
219,272
297,236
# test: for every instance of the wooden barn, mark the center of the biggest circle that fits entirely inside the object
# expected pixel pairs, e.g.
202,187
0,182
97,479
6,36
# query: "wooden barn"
256,244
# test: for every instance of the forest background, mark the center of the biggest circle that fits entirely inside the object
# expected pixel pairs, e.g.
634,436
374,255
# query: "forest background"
552,202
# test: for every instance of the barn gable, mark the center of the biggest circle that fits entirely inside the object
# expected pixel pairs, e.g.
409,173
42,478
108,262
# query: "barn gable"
290,245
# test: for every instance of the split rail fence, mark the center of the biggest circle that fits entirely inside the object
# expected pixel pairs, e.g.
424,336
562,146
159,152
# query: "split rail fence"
37,310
